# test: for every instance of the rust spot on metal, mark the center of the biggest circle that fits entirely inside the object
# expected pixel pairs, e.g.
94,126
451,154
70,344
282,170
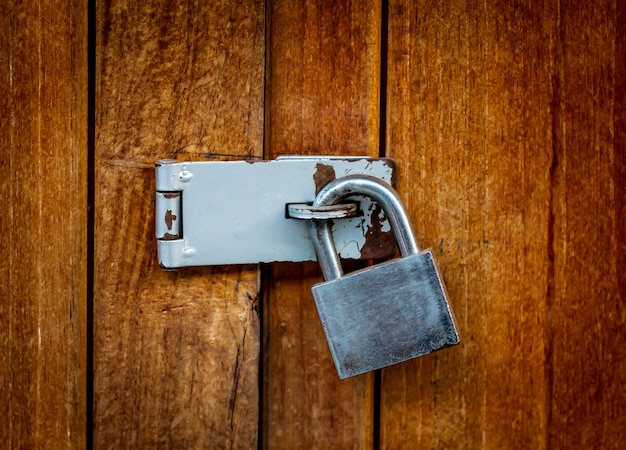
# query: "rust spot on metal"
378,243
307,212
171,195
322,176
169,219
170,237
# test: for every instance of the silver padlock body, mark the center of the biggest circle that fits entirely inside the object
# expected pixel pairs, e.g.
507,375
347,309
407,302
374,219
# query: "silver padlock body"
385,314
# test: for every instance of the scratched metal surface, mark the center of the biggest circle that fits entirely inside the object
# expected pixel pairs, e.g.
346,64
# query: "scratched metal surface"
385,314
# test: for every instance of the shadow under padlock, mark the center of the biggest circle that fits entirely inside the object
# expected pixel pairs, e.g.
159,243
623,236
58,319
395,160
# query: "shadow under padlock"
383,314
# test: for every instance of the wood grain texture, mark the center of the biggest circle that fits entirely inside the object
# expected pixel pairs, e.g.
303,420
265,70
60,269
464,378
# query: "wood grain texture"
176,353
43,126
322,98
587,364
503,119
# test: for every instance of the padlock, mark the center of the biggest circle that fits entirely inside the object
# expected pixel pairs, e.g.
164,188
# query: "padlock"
386,313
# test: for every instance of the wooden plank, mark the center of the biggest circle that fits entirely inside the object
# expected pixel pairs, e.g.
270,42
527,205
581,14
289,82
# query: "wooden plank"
176,353
470,87
520,186
322,98
43,126
587,360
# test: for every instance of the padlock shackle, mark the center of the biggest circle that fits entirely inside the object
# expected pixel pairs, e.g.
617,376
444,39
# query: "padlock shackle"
386,197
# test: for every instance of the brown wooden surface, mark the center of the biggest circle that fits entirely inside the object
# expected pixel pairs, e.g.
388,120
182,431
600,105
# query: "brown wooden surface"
176,353
508,123
322,98
503,120
43,159
585,361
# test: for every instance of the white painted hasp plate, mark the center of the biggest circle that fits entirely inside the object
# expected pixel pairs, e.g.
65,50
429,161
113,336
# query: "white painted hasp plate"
234,212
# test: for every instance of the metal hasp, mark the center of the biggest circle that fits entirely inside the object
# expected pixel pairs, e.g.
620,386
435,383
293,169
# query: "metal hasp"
246,212
386,313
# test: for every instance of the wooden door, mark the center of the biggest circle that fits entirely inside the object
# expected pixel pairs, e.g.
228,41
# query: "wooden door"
508,118
176,354
43,224
507,123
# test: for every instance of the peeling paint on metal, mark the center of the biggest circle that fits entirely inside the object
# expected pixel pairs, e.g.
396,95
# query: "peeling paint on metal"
251,195
323,175
377,239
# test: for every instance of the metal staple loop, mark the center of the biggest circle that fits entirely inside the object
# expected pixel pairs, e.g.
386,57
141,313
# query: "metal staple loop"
304,211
